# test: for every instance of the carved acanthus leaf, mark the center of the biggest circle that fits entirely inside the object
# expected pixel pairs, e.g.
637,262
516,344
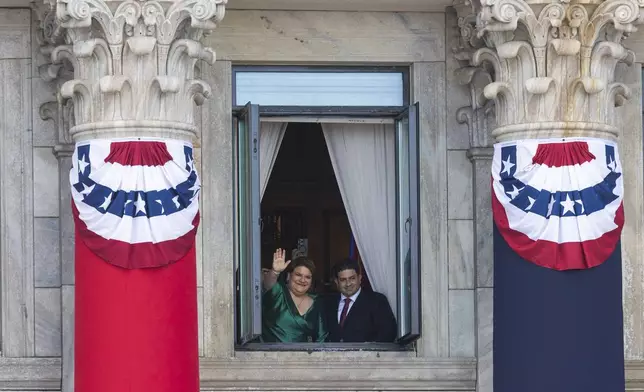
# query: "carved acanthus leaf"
554,64
479,115
61,112
133,62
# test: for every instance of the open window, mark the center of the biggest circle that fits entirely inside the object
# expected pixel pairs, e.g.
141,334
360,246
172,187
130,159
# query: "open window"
254,219
247,224
408,225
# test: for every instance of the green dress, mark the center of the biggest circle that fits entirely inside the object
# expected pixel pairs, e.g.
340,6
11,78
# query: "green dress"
281,321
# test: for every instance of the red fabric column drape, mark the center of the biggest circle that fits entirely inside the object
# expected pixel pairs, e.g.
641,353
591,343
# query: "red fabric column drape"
135,329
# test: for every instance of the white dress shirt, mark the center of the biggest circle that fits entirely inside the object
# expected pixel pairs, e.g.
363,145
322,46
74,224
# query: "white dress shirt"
341,304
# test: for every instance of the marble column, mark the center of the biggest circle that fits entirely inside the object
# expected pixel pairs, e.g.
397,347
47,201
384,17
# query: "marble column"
61,113
122,69
480,120
549,71
481,158
63,153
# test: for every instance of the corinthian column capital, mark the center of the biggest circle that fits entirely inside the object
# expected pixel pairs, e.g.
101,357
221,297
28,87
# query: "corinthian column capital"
551,65
133,63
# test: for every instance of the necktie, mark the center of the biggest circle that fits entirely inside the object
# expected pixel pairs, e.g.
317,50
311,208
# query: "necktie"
345,310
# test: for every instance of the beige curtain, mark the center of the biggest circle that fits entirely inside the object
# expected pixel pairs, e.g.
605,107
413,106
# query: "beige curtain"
363,158
270,140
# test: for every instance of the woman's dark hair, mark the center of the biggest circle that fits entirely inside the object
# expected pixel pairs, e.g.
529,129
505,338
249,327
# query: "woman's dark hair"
302,262
346,264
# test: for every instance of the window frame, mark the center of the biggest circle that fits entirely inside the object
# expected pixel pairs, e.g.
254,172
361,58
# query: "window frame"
403,343
410,330
249,117
404,71
346,113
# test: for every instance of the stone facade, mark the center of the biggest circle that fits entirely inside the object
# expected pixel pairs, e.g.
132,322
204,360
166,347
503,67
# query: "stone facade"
517,57
457,118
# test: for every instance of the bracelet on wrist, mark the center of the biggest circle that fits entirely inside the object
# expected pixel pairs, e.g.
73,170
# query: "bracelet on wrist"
275,272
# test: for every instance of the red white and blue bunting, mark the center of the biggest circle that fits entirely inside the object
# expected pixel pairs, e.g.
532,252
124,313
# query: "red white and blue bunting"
135,201
558,202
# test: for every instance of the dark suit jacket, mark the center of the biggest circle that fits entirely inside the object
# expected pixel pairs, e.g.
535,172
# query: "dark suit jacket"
370,319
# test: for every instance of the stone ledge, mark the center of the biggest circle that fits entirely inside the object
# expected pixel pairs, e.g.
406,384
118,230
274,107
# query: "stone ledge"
318,375
42,374
480,153
635,375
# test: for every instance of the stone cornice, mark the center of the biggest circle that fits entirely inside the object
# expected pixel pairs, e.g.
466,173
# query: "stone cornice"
551,66
63,150
133,63
480,153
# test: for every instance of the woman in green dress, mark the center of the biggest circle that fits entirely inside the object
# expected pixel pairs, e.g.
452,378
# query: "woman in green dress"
290,314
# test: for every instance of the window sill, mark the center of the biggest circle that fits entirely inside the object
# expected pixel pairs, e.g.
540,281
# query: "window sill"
325,347
336,372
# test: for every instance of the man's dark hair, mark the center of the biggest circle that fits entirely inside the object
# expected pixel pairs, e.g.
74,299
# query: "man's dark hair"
346,264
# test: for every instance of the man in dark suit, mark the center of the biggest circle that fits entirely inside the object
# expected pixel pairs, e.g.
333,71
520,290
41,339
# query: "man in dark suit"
357,315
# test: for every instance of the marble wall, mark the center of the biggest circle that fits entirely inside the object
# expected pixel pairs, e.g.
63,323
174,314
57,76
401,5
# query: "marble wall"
29,272
37,243
631,146
467,229
306,37
448,339
16,187
632,157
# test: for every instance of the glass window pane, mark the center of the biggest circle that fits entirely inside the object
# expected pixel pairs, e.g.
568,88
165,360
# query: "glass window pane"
255,221
402,217
242,233
412,260
407,215
319,88
247,224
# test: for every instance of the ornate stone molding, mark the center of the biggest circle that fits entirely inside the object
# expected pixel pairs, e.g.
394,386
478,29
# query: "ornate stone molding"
552,65
133,65
479,115
61,110
480,153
